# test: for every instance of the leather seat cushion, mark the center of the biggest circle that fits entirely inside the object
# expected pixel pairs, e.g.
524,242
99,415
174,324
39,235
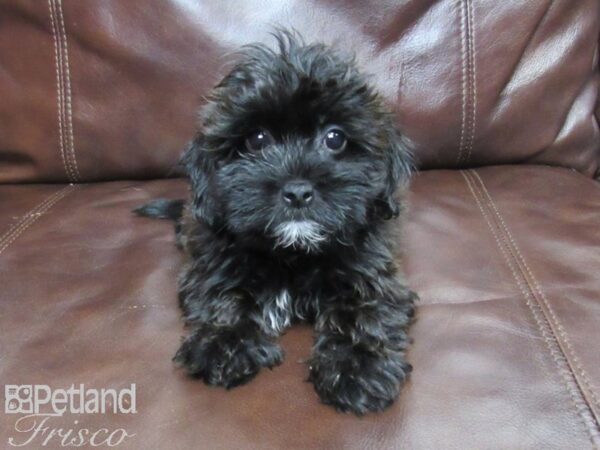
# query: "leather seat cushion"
505,260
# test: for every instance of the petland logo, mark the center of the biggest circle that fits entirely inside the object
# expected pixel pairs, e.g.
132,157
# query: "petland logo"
39,405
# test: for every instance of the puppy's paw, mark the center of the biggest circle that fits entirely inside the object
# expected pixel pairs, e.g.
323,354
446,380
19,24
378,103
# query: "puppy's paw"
227,357
356,379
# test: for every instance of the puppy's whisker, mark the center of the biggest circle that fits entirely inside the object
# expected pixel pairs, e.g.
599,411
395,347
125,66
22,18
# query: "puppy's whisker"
269,223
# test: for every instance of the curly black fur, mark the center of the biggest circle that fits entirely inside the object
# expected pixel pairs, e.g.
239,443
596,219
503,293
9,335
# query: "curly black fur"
255,264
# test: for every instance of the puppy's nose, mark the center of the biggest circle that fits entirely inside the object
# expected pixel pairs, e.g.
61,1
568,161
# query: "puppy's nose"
297,193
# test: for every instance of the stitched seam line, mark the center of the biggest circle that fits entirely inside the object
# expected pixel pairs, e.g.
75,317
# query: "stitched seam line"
59,94
463,54
542,324
24,218
553,319
472,78
31,217
541,320
67,82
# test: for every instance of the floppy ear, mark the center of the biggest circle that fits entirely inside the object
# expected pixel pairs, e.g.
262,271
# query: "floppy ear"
199,167
399,166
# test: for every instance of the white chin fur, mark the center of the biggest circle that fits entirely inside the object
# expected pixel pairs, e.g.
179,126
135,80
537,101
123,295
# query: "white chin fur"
304,234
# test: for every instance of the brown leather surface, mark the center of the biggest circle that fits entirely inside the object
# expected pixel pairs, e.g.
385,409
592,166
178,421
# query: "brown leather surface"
101,90
598,109
505,259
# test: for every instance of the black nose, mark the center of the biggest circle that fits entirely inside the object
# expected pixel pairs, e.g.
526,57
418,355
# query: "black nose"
297,193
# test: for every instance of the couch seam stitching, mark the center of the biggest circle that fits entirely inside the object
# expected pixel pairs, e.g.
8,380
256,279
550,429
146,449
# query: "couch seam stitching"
543,297
32,216
463,54
19,223
544,325
59,93
67,81
472,78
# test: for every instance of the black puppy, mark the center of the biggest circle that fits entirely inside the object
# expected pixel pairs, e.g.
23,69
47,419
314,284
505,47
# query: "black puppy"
293,180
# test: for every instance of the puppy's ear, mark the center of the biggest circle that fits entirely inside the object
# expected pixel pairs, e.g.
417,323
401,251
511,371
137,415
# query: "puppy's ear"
399,166
200,168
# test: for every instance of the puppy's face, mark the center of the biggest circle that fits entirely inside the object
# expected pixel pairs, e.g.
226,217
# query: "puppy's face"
296,151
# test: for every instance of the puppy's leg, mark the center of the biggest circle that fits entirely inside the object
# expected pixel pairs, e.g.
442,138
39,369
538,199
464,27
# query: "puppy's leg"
358,363
227,346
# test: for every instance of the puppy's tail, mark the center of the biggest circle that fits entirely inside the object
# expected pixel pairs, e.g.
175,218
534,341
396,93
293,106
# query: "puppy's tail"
162,208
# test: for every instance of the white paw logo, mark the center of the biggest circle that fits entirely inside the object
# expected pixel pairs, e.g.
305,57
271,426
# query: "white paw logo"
18,399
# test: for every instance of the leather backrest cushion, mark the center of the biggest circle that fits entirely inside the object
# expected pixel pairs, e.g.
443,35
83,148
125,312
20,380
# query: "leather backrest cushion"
107,89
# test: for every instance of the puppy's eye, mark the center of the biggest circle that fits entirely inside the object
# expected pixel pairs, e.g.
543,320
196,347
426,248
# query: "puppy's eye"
259,140
335,140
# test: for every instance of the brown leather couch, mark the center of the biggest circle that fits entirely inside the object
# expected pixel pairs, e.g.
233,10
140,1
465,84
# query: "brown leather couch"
502,239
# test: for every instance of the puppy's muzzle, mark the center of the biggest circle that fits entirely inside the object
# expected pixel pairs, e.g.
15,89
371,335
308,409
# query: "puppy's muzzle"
297,193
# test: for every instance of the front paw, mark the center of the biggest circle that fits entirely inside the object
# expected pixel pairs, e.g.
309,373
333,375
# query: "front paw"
355,378
227,357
